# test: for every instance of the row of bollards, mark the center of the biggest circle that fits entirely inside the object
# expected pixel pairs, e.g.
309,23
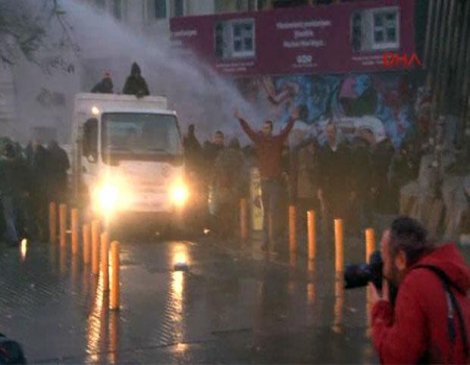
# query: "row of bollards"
311,235
96,248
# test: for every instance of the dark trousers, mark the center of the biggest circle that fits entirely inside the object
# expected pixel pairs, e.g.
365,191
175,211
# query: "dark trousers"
271,195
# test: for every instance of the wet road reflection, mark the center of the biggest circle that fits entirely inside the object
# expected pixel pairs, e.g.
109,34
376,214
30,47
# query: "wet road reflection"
23,249
96,323
113,337
339,303
224,306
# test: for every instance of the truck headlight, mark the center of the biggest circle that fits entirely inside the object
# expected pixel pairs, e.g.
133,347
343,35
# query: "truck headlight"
108,197
179,194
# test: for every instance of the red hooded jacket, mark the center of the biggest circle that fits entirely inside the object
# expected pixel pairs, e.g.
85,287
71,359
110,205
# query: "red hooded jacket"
417,330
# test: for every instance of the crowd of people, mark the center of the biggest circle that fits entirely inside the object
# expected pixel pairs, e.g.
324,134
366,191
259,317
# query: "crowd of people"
30,177
352,179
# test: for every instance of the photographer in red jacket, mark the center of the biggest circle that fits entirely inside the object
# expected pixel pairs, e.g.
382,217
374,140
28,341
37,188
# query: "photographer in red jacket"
430,319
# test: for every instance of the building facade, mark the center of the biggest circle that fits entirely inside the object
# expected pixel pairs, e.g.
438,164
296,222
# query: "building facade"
356,62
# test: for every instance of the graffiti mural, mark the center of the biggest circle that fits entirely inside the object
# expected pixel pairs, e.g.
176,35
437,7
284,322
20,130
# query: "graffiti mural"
382,103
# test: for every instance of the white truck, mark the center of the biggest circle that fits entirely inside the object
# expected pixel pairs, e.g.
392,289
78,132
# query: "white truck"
128,159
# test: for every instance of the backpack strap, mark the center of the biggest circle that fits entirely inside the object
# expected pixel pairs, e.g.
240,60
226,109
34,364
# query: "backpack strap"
453,305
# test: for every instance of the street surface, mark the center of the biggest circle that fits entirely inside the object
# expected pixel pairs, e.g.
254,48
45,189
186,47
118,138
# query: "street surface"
236,304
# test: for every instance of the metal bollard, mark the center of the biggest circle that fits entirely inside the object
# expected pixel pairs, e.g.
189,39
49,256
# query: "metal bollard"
292,229
243,219
339,245
312,240
63,224
74,227
52,222
95,248
370,242
105,260
115,267
86,243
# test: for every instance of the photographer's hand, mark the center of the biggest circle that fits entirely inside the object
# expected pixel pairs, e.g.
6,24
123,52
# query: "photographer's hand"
375,295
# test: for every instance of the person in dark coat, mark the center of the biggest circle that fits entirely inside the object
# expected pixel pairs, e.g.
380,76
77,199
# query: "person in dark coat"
192,151
211,151
12,188
57,164
194,170
36,156
360,209
105,86
135,83
229,180
334,164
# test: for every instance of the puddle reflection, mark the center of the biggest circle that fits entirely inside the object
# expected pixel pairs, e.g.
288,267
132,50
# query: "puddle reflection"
339,304
180,256
113,337
23,249
310,293
97,323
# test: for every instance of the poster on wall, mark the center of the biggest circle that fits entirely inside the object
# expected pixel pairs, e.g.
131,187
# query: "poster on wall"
385,104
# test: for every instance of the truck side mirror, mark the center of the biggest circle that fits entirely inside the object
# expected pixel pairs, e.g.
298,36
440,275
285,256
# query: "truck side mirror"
90,140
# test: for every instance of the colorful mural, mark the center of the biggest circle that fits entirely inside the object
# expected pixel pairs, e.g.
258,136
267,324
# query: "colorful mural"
382,103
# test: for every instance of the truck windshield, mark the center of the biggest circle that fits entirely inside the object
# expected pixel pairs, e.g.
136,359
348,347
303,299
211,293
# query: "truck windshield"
140,136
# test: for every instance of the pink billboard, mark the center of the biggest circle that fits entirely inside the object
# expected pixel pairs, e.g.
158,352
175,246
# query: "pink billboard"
337,38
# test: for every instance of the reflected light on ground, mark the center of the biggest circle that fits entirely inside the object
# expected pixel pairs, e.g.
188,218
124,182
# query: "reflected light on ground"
310,293
181,347
339,304
177,286
23,249
113,337
177,290
311,265
95,325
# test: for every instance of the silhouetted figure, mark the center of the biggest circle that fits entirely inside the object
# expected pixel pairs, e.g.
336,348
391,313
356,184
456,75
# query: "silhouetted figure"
36,156
192,150
57,164
12,188
229,182
105,86
135,83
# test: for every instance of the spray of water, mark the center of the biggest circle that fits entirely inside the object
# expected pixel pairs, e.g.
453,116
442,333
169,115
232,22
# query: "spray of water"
196,92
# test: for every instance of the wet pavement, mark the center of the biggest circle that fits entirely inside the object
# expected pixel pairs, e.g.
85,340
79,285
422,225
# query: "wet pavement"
236,304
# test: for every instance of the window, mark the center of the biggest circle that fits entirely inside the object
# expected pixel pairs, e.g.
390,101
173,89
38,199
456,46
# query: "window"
90,139
375,29
140,136
160,9
235,39
179,8
385,29
356,31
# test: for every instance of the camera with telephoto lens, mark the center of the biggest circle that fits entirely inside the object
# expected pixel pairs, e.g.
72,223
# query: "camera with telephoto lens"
357,276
